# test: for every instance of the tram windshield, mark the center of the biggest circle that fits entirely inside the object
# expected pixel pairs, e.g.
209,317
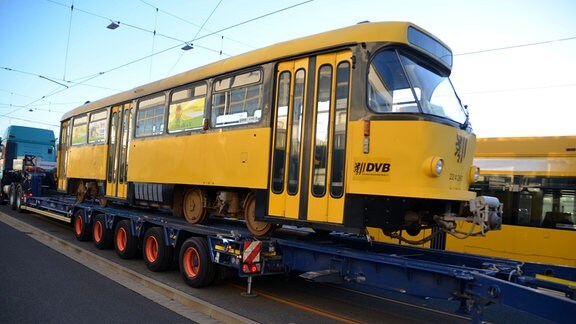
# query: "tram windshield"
398,84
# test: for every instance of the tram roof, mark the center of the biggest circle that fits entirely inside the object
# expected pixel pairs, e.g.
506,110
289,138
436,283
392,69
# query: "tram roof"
535,146
363,32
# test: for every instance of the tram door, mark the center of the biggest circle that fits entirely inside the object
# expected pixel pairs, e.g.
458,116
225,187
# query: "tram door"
63,155
311,113
120,129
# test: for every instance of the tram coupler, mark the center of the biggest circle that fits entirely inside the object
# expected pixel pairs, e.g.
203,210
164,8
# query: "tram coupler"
487,212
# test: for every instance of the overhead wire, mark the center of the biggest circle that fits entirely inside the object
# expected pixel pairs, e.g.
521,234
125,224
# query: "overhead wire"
68,41
556,86
153,42
193,24
52,79
32,121
516,46
123,23
198,32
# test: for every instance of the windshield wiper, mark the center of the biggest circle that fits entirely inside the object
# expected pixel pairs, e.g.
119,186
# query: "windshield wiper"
467,121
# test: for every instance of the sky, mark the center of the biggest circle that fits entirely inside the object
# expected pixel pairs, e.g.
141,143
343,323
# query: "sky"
514,60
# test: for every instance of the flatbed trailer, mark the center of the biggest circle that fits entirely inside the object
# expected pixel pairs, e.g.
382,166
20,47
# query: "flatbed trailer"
547,291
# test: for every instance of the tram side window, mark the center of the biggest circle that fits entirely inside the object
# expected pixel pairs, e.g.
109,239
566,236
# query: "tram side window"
340,120
279,161
321,130
150,116
97,127
237,99
297,129
186,111
80,130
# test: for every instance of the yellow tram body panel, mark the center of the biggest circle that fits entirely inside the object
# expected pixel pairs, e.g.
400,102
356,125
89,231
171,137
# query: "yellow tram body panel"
236,158
408,147
87,162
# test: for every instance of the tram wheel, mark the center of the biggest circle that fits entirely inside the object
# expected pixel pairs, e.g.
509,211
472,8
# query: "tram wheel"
196,265
255,227
193,206
157,255
81,192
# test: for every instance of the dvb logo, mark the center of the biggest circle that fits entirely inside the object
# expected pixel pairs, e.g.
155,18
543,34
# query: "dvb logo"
371,168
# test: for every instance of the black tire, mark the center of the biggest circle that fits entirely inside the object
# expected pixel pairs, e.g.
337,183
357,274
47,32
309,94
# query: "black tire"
103,237
19,198
3,197
196,266
125,244
82,231
157,255
12,196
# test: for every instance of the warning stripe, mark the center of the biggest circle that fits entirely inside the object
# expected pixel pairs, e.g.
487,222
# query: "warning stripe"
252,251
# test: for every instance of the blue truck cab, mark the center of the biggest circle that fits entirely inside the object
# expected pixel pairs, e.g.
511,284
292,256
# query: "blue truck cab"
27,154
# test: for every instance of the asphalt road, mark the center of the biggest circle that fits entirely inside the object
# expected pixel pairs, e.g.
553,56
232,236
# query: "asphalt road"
40,285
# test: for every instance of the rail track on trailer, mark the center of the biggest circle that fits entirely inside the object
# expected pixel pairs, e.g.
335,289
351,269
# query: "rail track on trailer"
547,291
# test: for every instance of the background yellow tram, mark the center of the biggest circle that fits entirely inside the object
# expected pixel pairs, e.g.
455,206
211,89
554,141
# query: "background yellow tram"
338,131
535,178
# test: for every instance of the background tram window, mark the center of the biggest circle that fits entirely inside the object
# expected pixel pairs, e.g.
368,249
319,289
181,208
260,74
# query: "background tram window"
150,116
533,200
237,100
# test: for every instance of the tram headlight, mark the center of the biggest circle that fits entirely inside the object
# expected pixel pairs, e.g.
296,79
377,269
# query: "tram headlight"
474,174
438,167
434,166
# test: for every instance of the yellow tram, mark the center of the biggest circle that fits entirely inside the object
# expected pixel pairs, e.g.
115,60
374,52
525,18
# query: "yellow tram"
535,178
342,130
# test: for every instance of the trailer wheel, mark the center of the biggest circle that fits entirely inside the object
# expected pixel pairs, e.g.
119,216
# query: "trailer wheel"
12,196
255,227
103,237
125,244
157,255
196,265
82,231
